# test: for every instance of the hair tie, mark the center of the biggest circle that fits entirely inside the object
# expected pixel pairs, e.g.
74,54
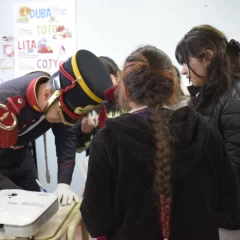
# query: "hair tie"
234,45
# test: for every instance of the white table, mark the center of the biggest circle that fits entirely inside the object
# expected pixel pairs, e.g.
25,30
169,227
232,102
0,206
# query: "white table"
63,222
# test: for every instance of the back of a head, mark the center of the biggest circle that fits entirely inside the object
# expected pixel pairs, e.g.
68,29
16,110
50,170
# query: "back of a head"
148,75
150,79
225,62
111,66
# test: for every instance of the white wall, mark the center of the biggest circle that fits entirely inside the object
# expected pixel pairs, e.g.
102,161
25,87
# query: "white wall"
115,28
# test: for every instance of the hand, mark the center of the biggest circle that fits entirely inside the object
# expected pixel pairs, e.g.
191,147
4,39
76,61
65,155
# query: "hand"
65,194
87,125
83,191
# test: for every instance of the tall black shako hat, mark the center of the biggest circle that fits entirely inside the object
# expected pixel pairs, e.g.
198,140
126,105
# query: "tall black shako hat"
80,86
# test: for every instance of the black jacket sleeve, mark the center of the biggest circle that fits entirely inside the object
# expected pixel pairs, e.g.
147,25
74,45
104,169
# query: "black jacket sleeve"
98,201
230,129
228,189
65,141
5,183
228,197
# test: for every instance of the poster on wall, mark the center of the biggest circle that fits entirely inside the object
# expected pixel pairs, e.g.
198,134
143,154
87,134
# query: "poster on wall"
6,53
7,63
45,35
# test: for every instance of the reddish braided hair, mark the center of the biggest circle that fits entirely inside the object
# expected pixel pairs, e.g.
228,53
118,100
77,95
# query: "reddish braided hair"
148,76
165,215
163,163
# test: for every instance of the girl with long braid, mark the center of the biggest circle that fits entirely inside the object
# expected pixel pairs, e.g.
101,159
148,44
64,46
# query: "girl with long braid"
153,173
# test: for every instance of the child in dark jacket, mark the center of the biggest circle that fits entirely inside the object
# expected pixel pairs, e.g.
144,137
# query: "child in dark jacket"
155,173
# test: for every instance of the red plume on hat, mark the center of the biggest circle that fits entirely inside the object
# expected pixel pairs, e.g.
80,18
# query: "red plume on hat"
109,95
102,116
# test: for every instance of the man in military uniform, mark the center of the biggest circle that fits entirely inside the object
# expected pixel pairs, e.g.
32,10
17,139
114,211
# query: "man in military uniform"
32,104
89,125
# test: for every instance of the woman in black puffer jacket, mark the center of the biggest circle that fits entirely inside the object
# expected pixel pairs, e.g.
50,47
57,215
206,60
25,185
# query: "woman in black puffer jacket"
212,64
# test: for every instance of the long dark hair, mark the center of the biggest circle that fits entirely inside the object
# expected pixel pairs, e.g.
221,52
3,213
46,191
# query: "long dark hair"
113,69
111,66
178,78
149,76
223,67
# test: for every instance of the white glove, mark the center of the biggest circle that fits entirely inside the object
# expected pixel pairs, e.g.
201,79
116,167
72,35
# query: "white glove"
65,194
